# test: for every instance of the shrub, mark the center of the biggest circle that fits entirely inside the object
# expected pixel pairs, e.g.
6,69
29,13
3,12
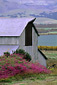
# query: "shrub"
20,51
13,65
27,56
6,54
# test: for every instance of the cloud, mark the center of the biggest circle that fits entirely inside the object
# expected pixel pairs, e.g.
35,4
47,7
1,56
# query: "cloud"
44,2
21,1
34,2
40,2
6,5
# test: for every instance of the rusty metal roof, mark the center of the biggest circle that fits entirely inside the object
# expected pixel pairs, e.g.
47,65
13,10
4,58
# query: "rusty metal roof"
13,26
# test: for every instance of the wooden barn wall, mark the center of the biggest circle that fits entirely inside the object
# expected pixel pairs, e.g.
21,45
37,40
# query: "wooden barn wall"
28,49
35,43
32,50
9,40
22,40
41,59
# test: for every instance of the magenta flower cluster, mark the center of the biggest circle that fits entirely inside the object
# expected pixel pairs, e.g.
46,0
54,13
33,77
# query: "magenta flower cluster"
15,64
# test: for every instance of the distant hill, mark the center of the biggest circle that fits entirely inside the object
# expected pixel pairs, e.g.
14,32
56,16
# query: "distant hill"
46,28
44,11
42,20
48,31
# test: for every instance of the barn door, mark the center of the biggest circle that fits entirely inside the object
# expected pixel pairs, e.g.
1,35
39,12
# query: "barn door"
28,35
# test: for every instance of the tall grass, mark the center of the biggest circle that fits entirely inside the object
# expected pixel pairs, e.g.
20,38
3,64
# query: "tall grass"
47,47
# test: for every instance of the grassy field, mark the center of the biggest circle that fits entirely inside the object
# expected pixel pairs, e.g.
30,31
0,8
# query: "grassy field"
50,54
52,57
41,79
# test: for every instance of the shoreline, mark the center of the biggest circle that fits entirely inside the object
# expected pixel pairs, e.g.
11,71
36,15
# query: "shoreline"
47,33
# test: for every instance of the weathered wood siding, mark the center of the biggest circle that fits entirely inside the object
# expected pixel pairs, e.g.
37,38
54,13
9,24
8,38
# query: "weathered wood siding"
32,50
41,59
22,40
28,49
9,40
35,43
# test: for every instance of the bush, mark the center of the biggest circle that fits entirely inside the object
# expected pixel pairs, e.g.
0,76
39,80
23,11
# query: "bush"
27,56
20,51
16,65
6,54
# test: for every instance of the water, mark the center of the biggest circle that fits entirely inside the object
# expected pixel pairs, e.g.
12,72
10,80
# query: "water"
47,40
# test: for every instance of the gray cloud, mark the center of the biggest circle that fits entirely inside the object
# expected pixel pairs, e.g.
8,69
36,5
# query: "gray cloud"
7,5
21,1
35,2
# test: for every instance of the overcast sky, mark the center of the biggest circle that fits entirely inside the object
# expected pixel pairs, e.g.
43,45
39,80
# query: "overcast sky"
35,2
7,5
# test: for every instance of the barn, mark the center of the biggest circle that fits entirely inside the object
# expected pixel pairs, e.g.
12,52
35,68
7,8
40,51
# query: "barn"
20,33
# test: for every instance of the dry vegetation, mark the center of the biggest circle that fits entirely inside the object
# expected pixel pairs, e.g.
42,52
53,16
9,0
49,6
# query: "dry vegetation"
47,48
52,59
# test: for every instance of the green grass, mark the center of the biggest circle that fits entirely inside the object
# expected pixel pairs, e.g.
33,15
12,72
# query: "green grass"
48,80
53,56
50,54
52,32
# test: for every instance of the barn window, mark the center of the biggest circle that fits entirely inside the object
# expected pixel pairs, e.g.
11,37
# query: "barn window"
28,35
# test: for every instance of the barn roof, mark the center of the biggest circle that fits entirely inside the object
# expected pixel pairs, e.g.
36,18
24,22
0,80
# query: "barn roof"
13,26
